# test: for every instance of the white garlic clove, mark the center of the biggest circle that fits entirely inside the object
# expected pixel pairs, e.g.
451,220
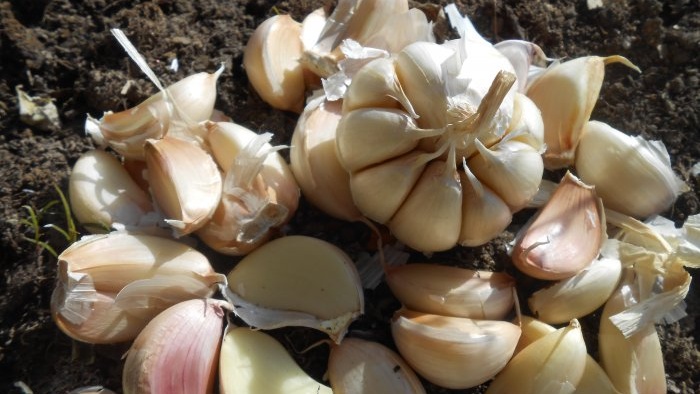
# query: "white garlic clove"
358,366
452,291
549,247
402,29
253,362
631,175
453,352
376,85
526,125
524,56
532,330
185,183
102,193
177,351
272,62
280,283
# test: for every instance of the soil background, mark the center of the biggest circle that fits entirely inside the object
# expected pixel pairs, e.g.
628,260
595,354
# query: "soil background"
63,50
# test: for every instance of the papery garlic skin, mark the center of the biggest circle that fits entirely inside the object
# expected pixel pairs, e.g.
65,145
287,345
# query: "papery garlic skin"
101,193
631,175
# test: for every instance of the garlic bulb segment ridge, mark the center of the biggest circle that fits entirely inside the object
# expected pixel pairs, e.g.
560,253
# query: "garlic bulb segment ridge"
280,284
452,291
359,366
101,193
177,351
253,362
185,183
272,62
549,247
632,175
453,352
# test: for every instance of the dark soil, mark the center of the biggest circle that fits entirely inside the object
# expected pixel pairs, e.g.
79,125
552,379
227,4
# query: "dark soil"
63,50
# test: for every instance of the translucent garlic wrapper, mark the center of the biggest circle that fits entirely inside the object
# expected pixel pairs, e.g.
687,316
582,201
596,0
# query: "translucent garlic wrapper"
446,149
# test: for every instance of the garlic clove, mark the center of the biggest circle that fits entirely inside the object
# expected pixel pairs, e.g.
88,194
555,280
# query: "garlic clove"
280,283
402,29
272,62
177,351
101,193
631,175
185,183
452,291
358,366
550,247
526,124
523,55
253,362
453,352
316,165
532,330
583,293
554,363
376,85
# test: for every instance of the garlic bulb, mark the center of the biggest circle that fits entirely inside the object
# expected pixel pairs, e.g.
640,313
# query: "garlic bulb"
357,366
252,362
452,291
280,284
549,247
632,175
453,352
177,351
101,193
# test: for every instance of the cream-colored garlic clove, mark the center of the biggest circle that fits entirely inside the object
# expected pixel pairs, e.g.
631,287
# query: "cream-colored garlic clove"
631,175
453,352
177,351
566,94
452,291
316,165
402,29
524,56
376,85
272,62
280,284
357,366
549,247
526,124
102,193
583,293
185,183
554,363
532,330
253,362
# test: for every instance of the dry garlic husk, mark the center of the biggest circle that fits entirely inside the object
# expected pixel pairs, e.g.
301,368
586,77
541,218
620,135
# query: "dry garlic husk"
253,362
185,182
632,175
566,94
452,291
554,363
188,101
453,352
280,284
581,294
109,286
357,366
177,351
102,193
566,234
446,108
272,62
314,161
259,192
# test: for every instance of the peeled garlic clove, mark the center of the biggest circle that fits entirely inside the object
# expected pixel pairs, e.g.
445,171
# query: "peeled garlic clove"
581,294
376,85
280,283
550,247
453,352
316,165
554,363
357,366
177,351
452,291
101,193
253,362
185,183
271,61
632,175
566,94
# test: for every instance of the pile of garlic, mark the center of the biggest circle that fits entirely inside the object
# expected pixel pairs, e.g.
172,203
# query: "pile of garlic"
442,144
